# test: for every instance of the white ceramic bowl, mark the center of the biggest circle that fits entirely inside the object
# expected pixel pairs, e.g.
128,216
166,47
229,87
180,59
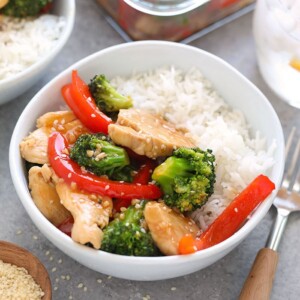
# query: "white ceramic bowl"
14,86
120,60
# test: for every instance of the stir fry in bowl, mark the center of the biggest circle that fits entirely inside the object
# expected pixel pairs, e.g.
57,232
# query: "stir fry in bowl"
134,175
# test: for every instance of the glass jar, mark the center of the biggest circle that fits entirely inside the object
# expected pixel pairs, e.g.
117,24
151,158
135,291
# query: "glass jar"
169,19
276,29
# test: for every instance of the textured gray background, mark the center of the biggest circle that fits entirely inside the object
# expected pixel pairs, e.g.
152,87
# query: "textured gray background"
223,280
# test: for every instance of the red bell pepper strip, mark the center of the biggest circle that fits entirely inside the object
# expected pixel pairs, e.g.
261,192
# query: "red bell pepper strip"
66,226
70,171
143,176
230,220
79,99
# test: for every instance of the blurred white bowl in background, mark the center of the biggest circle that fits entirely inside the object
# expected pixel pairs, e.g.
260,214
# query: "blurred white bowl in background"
14,86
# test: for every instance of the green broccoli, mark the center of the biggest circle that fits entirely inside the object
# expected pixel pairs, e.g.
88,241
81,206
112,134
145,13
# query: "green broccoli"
187,178
24,8
127,235
106,96
98,154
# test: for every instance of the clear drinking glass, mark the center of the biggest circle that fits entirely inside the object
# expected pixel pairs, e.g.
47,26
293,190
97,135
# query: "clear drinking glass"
276,28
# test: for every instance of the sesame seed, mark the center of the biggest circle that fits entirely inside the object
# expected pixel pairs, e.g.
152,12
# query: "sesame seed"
55,288
34,237
99,280
100,156
70,297
69,175
19,232
51,258
109,277
236,210
47,253
90,153
93,115
80,285
53,269
63,277
85,288
135,201
73,185
68,277
60,261
173,288
107,187
56,279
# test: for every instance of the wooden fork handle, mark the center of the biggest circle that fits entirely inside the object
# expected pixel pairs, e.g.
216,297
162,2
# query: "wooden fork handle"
258,284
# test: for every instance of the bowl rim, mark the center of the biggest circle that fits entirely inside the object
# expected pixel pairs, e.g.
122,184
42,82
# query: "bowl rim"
70,20
46,227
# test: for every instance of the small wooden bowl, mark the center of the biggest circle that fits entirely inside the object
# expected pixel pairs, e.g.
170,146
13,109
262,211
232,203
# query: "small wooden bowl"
15,255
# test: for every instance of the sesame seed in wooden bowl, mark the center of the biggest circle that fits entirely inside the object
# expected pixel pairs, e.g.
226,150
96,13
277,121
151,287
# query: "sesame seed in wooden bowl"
18,265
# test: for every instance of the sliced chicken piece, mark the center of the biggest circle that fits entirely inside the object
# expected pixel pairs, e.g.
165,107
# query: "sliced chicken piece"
34,147
44,195
90,213
147,134
55,118
167,227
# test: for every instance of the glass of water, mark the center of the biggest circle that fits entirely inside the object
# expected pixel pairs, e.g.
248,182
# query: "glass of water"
276,29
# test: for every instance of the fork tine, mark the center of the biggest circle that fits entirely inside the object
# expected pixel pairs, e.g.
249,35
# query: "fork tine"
291,168
289,141
296,186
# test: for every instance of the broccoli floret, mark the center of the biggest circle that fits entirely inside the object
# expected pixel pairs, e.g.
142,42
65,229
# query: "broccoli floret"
24,8
187,178
98,154
127,235
106,96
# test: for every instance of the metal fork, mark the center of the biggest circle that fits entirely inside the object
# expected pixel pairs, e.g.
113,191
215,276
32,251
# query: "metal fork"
258,284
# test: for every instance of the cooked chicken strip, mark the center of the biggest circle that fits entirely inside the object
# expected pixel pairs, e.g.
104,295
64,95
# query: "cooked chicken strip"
44,195
167,227
90,213
55,118
147,134
34,148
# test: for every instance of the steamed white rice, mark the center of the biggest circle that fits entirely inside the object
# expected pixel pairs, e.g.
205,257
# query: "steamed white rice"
190,101
25,41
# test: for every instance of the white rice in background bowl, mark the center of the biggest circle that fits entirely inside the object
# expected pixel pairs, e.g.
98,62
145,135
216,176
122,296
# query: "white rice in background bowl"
25,41
190,101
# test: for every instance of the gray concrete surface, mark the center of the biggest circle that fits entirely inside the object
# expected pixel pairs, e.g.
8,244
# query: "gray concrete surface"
223,280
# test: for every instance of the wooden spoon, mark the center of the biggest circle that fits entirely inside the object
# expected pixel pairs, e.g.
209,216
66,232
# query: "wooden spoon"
15,255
